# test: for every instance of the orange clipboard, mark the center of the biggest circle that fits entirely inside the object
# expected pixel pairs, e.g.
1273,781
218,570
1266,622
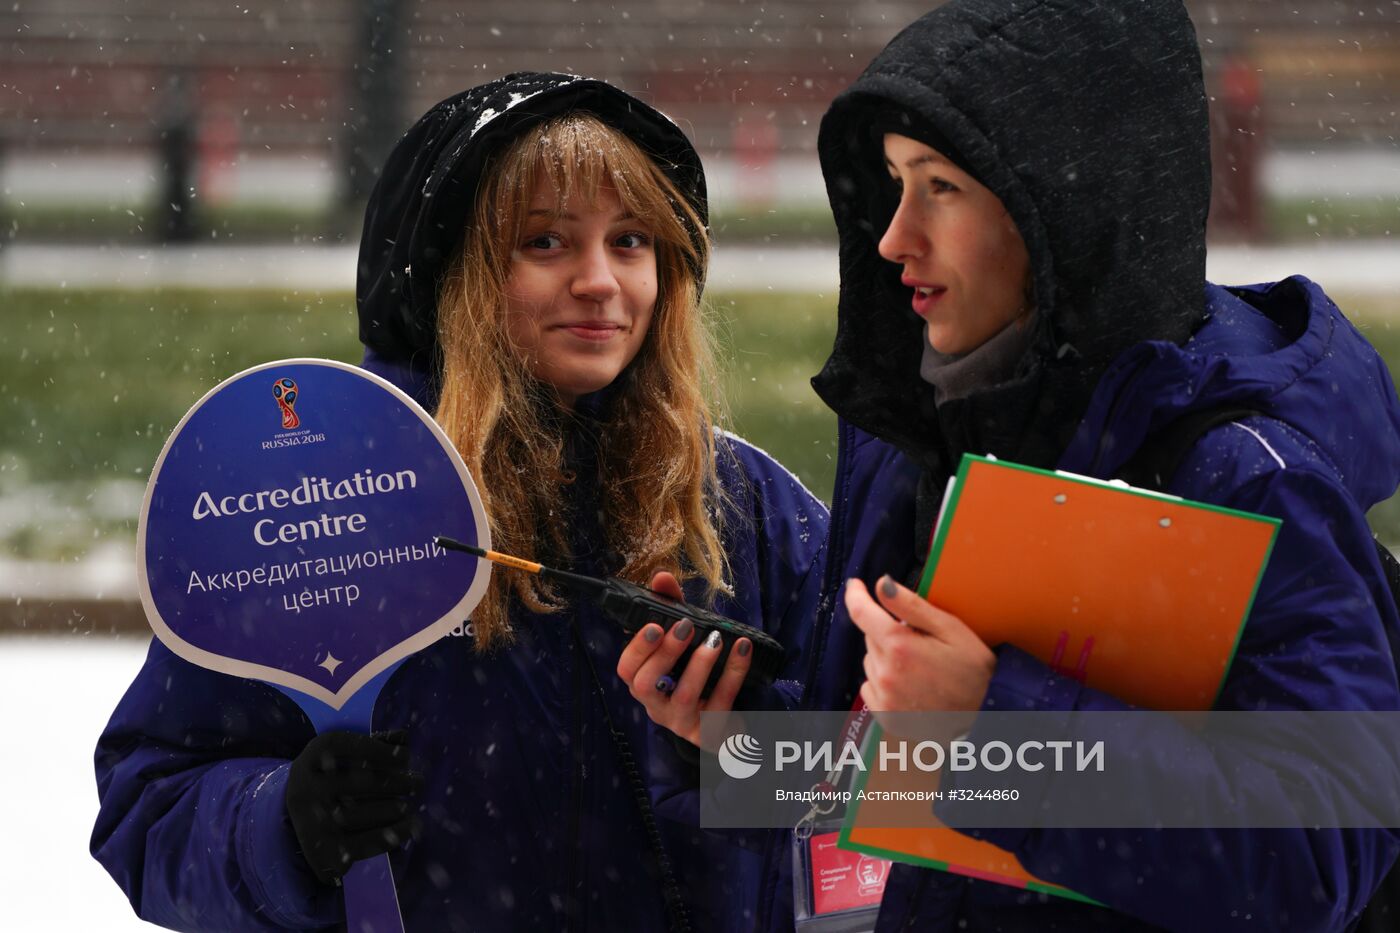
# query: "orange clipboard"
1129,591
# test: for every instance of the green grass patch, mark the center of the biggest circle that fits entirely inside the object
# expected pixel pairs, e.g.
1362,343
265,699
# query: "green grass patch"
778,226
93,382
1325,218
775,343
95,378
1373,317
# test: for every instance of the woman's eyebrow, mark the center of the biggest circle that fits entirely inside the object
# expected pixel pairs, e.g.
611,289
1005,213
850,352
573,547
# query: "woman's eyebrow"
927,158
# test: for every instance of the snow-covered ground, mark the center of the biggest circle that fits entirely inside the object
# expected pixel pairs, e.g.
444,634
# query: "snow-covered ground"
56,695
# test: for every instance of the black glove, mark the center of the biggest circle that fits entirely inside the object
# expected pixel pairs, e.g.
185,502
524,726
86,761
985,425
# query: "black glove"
349,797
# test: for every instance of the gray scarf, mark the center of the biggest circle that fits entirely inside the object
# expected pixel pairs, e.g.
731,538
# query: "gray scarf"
994,362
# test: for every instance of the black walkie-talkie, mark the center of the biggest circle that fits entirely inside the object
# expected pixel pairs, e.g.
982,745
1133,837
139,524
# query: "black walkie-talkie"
632,607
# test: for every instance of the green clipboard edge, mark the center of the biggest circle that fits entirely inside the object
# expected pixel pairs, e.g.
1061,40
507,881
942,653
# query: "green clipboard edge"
935,551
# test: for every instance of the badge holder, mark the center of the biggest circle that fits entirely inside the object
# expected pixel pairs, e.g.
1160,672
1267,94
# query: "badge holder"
834,891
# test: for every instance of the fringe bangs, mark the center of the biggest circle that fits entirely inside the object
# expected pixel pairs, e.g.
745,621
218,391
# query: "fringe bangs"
579,154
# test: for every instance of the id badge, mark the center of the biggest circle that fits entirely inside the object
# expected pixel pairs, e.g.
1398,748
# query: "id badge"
835,891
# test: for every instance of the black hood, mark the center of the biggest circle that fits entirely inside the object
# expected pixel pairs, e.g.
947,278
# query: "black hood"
1088,119
420,205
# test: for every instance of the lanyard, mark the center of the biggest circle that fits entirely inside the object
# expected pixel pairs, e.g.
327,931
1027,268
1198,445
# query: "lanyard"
858,723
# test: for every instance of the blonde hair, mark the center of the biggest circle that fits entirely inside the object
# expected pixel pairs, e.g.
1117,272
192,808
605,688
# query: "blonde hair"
661,499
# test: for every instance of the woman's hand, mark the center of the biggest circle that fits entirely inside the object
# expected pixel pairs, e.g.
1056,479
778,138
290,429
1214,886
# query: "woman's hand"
350,797
647,661
918,658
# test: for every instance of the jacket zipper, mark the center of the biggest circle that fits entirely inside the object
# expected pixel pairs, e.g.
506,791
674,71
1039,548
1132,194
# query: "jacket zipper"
573,897
1101,447
836,557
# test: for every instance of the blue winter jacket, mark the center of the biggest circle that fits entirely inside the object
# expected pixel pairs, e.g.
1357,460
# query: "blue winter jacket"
1088,119
1326,448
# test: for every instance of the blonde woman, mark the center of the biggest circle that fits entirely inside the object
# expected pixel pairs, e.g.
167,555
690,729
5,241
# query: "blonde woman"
530,270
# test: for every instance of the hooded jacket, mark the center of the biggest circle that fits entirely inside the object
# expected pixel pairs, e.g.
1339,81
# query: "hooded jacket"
416,212
1087,118
529,819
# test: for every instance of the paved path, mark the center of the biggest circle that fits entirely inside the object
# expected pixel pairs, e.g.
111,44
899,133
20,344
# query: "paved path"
1365,266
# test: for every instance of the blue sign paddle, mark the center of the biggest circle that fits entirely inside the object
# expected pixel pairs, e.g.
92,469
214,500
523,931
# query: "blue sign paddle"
287,535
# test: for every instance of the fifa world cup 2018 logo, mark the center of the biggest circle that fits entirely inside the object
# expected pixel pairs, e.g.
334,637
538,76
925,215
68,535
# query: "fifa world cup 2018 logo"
285,391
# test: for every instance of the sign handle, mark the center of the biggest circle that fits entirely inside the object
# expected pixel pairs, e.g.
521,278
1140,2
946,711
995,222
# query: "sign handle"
371,900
